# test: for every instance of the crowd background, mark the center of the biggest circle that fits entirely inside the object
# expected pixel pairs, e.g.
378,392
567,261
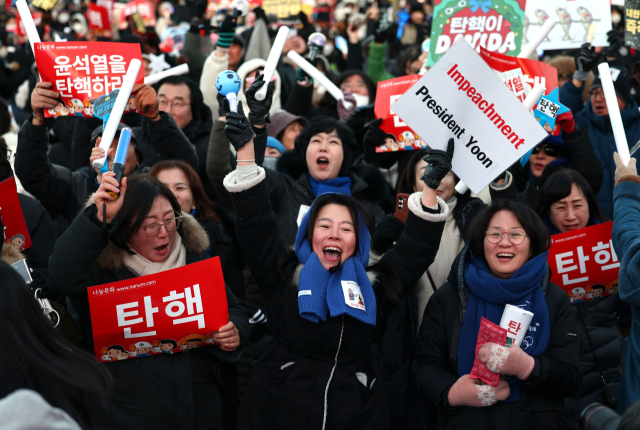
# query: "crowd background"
187,154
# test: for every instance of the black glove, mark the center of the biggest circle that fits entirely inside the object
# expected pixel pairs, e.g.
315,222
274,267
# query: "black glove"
615,43
585,61
386,234
223,105
260,14
382,28
259,110
238,128
373,138
439,164
229,24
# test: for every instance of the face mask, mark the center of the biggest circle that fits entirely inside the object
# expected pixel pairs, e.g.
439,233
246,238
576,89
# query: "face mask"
3,52
77,27
328,49
361,100
616,18
270,163
63,18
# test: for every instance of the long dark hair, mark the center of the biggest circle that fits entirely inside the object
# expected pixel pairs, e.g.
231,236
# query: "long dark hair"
408,178
528,219
558,186
141,194
36,357
205,209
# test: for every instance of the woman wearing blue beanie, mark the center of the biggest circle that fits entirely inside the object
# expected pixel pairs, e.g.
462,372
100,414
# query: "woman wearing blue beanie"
326,305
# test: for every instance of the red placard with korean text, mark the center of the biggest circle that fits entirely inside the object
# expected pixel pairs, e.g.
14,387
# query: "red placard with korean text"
98,19
583,262
164,313
83,71
15,229
37,19
388,92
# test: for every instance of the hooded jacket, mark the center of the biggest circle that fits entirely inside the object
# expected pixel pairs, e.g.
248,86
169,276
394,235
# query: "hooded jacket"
321,375
555,374
249,66
601,135
167,391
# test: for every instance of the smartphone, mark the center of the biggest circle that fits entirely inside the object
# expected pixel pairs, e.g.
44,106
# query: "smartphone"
24,271
402,207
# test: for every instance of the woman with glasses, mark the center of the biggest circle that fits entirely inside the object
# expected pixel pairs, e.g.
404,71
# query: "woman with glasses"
505,262
143,232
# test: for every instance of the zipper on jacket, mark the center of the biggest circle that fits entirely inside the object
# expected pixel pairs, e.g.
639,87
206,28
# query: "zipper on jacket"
326,390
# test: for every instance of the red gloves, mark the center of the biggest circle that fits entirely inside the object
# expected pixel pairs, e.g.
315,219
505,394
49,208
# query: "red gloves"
566,122
475,393
506,361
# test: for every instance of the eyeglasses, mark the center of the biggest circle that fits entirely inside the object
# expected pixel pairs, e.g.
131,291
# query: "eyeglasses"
595,94
550,150
164,104
516,237
153,229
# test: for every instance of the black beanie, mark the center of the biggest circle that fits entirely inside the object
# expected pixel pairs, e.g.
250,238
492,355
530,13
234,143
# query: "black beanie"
622,84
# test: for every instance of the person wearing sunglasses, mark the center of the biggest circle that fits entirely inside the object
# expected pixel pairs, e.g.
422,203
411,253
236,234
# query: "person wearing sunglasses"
504,262
144,232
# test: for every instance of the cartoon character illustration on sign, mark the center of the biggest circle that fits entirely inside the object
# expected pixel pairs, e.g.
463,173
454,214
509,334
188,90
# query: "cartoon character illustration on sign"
542,18
578,295
597,291
586,18
77,106
565,21
114,351
612,287
17,241
166,346
142,349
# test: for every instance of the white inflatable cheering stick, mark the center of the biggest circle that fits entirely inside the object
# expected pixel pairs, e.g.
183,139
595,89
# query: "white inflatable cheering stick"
320,77
614,113
110,129
533,97
272,61
537,39
182,69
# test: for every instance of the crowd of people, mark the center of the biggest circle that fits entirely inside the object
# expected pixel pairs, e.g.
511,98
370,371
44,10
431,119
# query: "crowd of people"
341,314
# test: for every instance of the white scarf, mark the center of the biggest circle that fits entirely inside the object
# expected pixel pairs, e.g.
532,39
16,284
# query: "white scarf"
140,266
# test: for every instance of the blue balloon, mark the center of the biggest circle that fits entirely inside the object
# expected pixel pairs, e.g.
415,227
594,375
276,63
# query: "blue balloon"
228,82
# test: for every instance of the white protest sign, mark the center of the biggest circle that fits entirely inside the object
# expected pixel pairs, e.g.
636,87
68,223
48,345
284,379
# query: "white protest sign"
462,98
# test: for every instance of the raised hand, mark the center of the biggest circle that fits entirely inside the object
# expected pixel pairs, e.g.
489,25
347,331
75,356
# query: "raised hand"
259,110
102,197
238,128
43,97
96,154
585,61
439,164
146,101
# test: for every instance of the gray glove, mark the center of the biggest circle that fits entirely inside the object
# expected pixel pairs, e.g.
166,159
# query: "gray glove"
585,60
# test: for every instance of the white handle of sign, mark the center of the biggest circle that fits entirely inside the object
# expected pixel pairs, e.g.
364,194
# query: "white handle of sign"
537,39
233,101
272,61
614,113
461,188
534,95
118,109
320,77
182,69
27,21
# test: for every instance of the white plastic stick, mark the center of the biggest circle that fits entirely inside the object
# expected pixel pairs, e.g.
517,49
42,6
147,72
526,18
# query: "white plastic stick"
118,109
591,33
233,101
461,188
534,95
320,77
614,113
272,61
537,39
182,69
27,21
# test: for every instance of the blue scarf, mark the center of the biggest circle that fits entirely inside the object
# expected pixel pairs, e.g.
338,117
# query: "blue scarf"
337,185
321,292
488,298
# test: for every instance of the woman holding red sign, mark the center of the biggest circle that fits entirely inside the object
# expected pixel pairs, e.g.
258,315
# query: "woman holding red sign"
143,232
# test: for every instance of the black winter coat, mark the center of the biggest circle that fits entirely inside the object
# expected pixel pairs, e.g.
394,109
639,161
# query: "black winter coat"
198,131
555,374
169,391
307,378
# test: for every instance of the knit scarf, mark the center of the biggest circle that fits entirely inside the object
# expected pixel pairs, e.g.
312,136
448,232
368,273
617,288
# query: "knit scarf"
488,298
337,185
347,290
140,266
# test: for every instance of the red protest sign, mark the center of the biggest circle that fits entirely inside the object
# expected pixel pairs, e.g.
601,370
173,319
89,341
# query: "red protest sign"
584,263
84,71
15,229
98,19
164,313
387,94
37,19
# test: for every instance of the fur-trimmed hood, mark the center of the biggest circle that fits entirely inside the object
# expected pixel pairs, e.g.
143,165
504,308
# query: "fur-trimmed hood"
194,240
9,254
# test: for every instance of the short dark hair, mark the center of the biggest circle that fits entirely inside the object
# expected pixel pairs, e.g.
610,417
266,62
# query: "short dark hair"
558,186
141,193
528,219
353,205
5,117
117,348
171,341
205,209
5,159
327,125
196,95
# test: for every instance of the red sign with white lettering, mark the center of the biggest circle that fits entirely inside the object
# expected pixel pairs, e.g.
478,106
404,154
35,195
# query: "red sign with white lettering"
388,92
83,71
164,313
15,228
584,263
37,19
98,19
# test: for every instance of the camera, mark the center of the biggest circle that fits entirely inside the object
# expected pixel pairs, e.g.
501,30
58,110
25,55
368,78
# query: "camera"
597,416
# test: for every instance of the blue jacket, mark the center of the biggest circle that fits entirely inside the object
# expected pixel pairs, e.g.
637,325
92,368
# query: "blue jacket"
601,136
626,241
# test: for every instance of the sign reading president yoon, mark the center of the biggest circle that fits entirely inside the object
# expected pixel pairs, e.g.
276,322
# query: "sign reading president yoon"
462,98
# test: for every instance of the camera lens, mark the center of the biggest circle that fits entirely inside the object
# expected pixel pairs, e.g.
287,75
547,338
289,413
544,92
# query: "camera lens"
599,417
